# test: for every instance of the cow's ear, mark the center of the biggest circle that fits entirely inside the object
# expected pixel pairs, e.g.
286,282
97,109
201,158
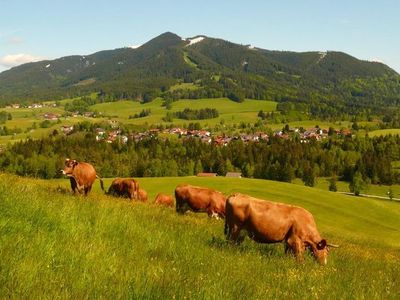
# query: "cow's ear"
67,159
321,245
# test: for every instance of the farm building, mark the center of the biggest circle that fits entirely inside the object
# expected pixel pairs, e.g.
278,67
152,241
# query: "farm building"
206,174
234,174
67,129
51,116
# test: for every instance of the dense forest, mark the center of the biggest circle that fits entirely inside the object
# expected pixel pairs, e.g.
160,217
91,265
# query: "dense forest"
368,159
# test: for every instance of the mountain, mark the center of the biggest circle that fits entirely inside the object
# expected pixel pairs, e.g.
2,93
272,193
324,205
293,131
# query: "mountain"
217,67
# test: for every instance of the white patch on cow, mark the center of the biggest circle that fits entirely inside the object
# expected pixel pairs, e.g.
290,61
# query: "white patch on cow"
195,40
215,215
47,66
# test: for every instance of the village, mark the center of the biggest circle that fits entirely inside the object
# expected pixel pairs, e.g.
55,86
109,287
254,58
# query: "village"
115,135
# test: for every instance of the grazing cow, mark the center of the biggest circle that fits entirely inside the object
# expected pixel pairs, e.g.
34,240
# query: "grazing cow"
81,176
124,187
142,195
199,199
271,222
163,199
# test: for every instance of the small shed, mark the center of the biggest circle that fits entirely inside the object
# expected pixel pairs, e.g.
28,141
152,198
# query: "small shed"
206,174
234,174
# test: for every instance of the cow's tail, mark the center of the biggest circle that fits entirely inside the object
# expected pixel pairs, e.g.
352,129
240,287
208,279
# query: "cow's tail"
228,213
101,182
178,202
226,229
137,187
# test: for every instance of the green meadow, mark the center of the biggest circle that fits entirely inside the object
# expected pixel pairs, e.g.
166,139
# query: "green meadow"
342,186
313,123
56,245
380,132
230,112
28,120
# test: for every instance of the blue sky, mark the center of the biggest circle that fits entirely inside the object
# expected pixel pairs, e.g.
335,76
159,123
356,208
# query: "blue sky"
44,29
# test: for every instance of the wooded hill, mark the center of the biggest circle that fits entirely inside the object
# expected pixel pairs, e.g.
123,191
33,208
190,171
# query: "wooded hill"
325,84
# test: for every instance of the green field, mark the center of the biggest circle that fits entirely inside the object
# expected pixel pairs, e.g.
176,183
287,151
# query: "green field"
184,86
342,186
230,112
384,132
312,123
55,245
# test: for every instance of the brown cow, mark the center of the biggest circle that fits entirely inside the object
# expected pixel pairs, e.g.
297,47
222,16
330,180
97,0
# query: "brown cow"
271,222
142,195
81,176
124,187
199,199
163,199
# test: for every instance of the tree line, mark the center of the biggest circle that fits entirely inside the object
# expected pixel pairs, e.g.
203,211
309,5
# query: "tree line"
276,159
197,114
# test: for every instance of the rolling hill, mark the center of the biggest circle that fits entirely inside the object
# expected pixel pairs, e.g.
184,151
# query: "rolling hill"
53,244
217,67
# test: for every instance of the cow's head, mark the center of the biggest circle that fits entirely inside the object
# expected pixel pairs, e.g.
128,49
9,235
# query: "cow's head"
320,251
69,166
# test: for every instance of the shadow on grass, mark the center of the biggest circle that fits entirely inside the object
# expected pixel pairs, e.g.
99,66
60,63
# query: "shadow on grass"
63,190
247,246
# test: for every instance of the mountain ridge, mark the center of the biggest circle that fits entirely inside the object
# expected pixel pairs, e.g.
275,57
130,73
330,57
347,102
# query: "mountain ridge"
149,70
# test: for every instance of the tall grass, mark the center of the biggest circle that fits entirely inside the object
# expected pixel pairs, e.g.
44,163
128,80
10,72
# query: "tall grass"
55,245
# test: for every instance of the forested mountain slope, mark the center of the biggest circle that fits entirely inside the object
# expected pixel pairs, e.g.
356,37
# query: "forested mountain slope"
219,68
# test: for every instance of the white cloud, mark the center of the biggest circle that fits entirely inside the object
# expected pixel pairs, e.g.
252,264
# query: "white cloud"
13,60
135,46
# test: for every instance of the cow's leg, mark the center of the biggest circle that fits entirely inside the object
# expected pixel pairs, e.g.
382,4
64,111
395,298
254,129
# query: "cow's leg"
234,234
298,249
74,185
232,231
180,206
87,189
212,213
288,248
290,245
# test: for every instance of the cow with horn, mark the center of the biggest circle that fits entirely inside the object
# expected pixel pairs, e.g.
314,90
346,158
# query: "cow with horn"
81,175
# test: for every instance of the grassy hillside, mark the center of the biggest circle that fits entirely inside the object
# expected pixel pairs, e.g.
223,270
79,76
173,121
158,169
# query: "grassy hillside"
53,244
381,132
378,190
229,112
